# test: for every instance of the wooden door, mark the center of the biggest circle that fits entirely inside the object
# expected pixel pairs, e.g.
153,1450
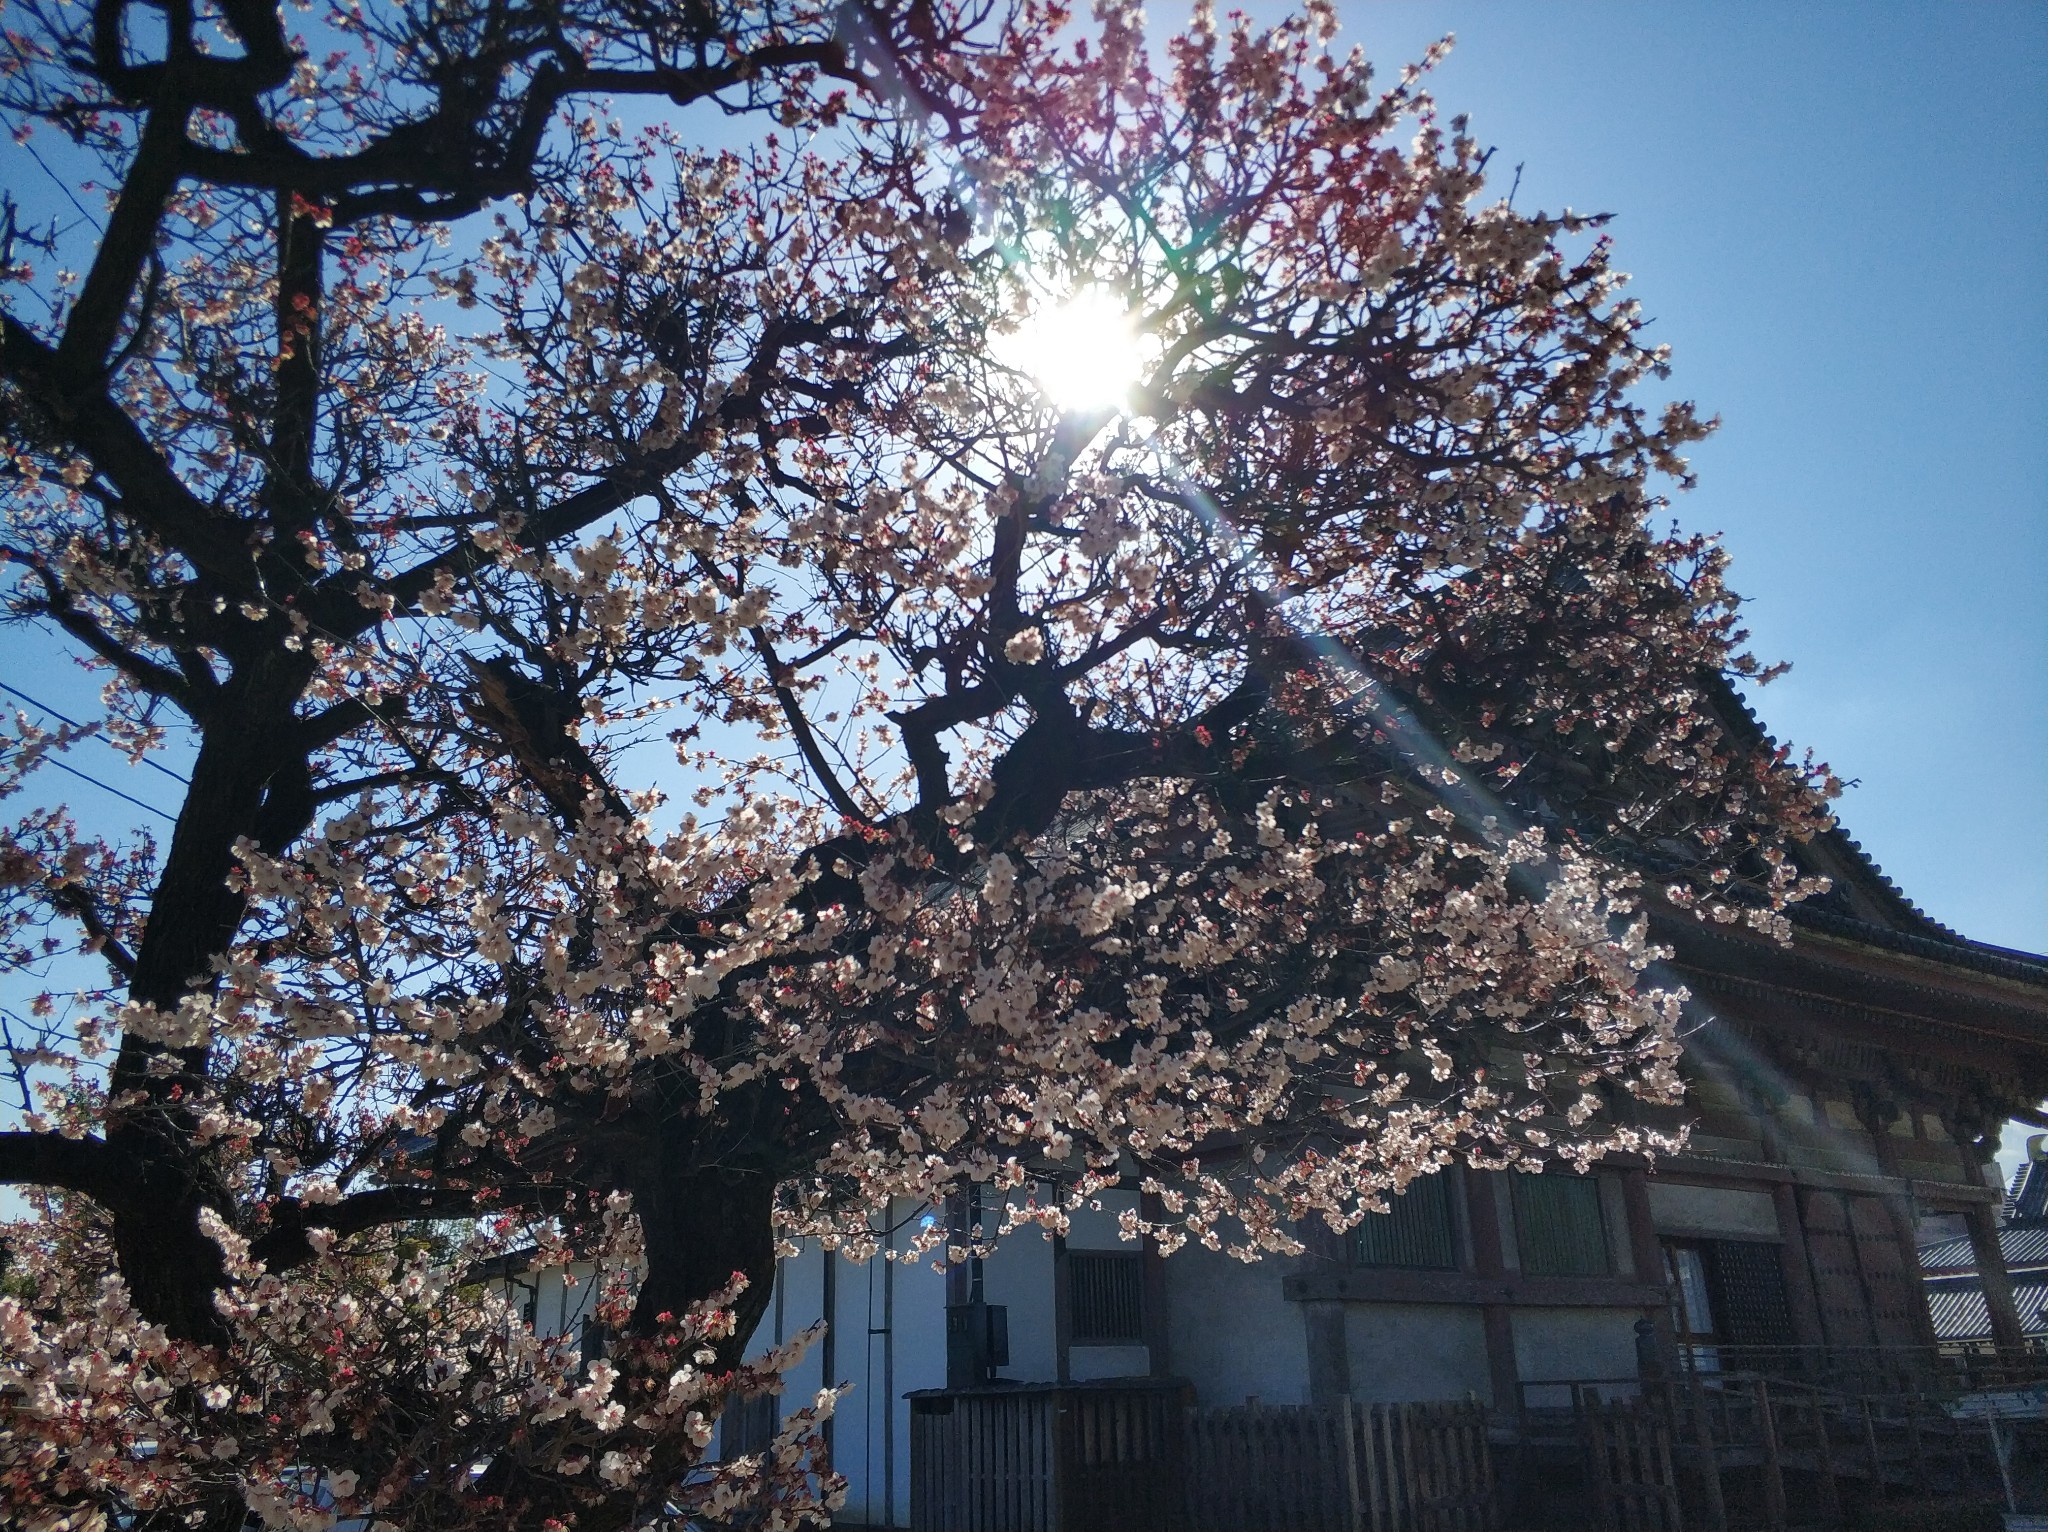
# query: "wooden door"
1897,1300
1831,1245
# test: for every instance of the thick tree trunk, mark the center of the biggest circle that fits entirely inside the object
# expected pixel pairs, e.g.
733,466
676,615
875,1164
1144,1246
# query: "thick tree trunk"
249,779
701,1228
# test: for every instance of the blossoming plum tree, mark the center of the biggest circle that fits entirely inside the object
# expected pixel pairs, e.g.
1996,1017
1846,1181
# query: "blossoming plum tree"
687,747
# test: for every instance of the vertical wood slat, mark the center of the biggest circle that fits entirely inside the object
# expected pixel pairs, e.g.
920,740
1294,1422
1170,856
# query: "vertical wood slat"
1587,1407
1398,1513
1408,1476
1074,1460
1348,1455
1709,1454
1674,1517
1631,1473
1774,1477
1628,1466
1373,1475
1824,1449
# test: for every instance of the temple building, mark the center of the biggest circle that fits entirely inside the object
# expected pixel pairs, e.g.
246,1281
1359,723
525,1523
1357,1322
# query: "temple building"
1847,1092
1825,1302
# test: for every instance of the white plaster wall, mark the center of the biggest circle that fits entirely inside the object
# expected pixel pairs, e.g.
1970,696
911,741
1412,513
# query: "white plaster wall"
560,1299
858,1432
1581,1344
889,1337
1230,1332
1019,1276
920,1356
1096,1226
1085,1363
575,1295
892,1339
1722,1212
1416,1351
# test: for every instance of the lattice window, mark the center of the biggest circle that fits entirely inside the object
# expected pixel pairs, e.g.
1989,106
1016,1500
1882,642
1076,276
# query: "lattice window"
1749,1293
1558,1225
1416,1230
1106,1291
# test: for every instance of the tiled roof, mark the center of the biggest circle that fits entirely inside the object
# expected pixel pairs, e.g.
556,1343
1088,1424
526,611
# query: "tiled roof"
1946,947
1959,1312
1903,926
2029,1195
2023,1247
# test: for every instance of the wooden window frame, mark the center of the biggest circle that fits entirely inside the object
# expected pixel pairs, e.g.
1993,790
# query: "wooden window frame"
1537,1197
1106,1294
1425,1196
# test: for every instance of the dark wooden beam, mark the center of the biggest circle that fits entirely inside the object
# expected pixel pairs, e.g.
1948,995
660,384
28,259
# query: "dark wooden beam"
1796,1264
1489,1263
1387,1285
1993,1277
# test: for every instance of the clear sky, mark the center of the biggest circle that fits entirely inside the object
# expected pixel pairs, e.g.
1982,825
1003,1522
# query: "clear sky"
1838,216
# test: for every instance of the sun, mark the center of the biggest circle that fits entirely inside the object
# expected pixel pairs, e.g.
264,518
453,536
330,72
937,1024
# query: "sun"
1083,353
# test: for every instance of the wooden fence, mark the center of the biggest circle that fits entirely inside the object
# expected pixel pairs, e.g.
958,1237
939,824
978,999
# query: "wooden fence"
1626,1447
1048,1458
1383,1467
1720,1453
1699,1454
1141,1458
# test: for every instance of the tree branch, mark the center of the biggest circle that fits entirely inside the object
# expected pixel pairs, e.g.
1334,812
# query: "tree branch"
84,1165
286,1244
153,496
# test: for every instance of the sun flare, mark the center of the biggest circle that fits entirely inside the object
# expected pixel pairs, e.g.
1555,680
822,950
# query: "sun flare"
1084,353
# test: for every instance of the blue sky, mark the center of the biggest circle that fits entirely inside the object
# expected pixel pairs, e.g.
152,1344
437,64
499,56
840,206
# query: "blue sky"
1838,216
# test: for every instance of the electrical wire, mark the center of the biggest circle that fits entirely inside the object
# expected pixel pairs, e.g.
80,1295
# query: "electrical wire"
14,691
105,788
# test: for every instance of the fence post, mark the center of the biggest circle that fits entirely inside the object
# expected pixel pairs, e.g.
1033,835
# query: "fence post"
1691,1397
1376,1465
1410,1480
1352,1520
1592,1433
1674,1515
1774,1477
1489,1515
1830,1492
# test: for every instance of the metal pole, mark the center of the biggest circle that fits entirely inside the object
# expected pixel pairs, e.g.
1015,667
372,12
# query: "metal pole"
889,1390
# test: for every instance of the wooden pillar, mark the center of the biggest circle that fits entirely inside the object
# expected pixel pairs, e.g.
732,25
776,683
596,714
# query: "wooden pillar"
1062,1311
1996,1281
1329,1351
1877,1115
1906,1227
1798,1267
1158,1332
1642,1226
1489,1261
1647,1252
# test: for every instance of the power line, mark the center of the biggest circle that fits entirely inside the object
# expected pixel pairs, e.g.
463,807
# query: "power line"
105,788
61,718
